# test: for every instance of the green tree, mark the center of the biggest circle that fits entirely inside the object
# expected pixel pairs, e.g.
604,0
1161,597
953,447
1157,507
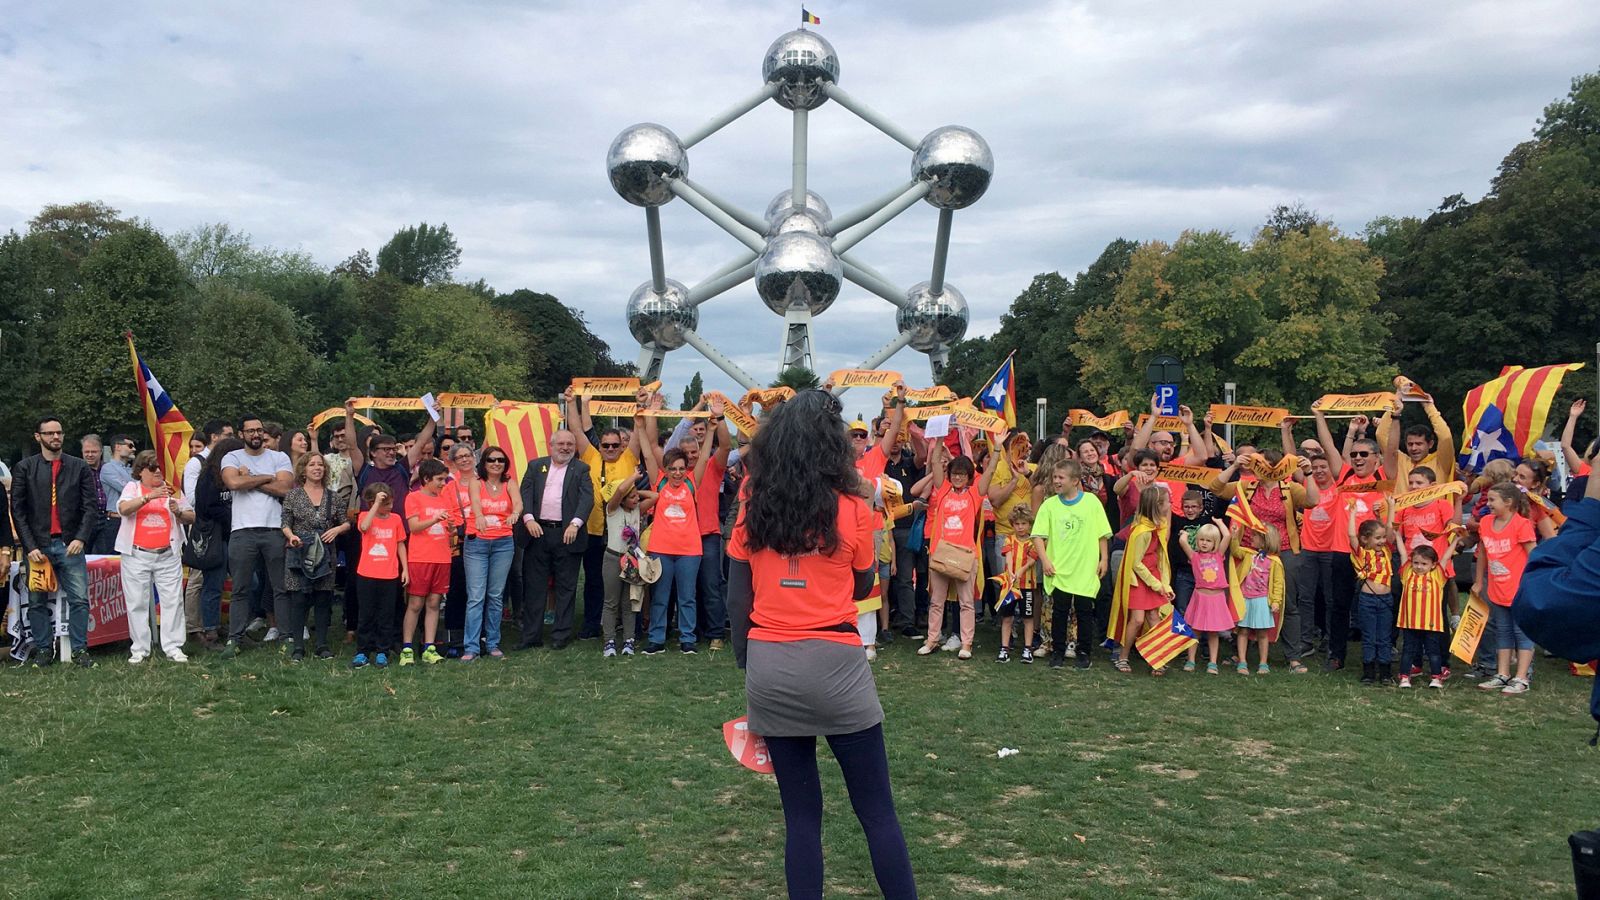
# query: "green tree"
354,370
218,373
692,392
563,347
420,254
35,274
75,228
451,339
798,378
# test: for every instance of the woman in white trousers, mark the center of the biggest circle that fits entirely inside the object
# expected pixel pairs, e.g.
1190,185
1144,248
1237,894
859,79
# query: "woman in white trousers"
150,540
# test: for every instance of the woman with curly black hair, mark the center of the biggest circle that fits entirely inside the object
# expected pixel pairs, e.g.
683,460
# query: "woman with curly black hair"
800,556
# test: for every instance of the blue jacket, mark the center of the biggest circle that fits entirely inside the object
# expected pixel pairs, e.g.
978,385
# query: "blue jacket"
1558,602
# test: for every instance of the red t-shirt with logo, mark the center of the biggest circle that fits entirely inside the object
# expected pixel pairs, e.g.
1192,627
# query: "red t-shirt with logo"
872,463
675,531
1322,526
1507,556
1434,517
380,548
431,544
807,597
496,512
954,516
152,526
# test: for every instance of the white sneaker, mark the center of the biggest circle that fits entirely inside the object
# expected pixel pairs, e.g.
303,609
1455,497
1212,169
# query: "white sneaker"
1436,682
177,656
1516,686
872,654
1405,681
610,649
952,643
271,635
1493,683
136,659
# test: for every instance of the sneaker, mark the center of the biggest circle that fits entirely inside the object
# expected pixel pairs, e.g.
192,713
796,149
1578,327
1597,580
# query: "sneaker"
1027,656
927,649
1405,681
381,660
324,653
431,655
1004,656
271,635
1436,682
43,659
872,654
1057,660
627,648
1072,649
609,650
1494,683
283,647
1444,673
230,649
177,656
654,649
1516,686
911,631
717,644
1416,672
885,638
407,657
136,659
298,655
688,648
83,660
1081,661
359,661
952,643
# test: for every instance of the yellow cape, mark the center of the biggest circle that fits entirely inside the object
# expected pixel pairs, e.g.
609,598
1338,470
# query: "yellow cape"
1117,627
1276,592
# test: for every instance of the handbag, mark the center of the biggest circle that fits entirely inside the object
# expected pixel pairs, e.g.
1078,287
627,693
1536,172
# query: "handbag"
310,559
203,548
42,577
953,560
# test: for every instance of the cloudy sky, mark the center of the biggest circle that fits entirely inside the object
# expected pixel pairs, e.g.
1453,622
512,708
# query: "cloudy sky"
327,126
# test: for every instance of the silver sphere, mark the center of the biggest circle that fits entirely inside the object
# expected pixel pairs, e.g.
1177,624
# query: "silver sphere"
643,160
932,320
957,163
803,220
800,62
783,204
798,268
661,319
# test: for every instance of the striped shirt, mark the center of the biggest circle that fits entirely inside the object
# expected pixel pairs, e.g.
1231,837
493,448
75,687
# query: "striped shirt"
1020,558
1421,599
1373,564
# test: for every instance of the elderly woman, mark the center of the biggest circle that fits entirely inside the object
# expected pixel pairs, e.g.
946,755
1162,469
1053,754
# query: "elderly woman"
801,555
149,537
312,516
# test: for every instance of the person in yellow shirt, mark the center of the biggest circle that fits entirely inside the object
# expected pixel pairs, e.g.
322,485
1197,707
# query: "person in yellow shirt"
616,459
1420,445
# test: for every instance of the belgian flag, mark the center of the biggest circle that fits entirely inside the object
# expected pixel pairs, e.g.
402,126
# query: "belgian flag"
806,18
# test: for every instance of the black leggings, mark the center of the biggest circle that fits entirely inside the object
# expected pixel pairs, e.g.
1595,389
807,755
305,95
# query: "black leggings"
865,765
320,604
1063,607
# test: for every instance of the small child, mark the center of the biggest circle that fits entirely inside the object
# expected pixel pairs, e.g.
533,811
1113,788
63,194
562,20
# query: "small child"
1211,608
1073,540
1144,579
1415,524
1017,583
380,574
431,518
1507,537
625,508
1374,596
1421,617
1259,575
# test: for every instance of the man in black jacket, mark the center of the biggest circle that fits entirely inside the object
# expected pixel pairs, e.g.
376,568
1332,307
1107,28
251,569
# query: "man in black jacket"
557,497
54,504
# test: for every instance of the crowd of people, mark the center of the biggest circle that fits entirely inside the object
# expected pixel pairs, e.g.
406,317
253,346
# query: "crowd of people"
1075,545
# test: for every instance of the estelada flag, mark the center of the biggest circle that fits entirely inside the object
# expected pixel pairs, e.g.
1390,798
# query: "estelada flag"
1241,514
999,395
1166,639
169,430
1523,397
522,430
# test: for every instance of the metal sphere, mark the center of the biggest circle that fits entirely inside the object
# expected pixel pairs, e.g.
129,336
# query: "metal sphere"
798,268
957,163
643,160
803,220
661,319
783,204
932,320
800,62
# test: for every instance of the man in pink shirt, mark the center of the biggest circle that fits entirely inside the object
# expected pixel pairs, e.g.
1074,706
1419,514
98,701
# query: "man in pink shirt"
557,496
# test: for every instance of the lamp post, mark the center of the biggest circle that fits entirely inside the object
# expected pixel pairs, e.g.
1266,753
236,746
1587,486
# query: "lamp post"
1039,405
1165,375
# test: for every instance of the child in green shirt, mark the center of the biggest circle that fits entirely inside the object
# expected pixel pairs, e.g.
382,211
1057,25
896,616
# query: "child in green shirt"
1072,536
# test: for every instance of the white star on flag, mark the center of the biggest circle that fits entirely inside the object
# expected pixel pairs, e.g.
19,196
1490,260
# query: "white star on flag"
997,392
1485,444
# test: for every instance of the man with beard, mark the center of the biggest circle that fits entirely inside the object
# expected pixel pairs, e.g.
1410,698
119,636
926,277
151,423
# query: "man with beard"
258,477
613,461
1428,445
55,507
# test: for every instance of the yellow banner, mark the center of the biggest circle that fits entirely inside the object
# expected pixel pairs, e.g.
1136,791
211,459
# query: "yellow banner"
387,403
930,394
606,387
1428,494
982,421
880,378
675,413
740,419
1263,470
1264,416
335,412
1082,418
1474,618
924,413
624,408
452,400
1376,401
1368,487
769,397
1164,423
1409,392
1197,475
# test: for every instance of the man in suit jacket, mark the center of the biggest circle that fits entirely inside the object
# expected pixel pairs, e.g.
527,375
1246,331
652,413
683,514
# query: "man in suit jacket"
557,497
55,506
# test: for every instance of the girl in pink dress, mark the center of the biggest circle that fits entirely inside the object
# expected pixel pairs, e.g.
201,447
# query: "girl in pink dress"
1210,609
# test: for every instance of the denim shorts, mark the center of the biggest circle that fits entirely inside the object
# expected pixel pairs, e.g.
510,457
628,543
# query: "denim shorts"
1503,625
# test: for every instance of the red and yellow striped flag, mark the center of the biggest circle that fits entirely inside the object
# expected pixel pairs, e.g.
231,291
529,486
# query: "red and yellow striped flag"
1240,513
169,430
1164,640
1523,397
522,430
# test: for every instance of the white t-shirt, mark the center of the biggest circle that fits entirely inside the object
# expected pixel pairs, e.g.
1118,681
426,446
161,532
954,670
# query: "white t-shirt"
191,472
256,508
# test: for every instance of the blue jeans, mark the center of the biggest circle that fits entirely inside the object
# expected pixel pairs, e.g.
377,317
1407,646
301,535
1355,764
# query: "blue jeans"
712,589
487,565
211,596
679,571
1375,612
72,574
1182,587
1507,634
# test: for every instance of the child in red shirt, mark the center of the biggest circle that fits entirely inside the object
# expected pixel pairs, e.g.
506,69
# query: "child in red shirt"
1505,539
379,574
431,516
1017,589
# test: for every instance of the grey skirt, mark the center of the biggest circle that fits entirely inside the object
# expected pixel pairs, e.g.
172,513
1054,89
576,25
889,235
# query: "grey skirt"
812,687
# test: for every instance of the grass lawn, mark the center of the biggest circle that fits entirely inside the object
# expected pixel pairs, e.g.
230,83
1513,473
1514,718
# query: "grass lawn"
560,774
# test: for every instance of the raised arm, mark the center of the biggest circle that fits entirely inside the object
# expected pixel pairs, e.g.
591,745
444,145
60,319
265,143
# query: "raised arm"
1200,447
358,457
1389,443
1141,437
414,455
995,452
894,406
1569,434
1325,437
572,412
1286,432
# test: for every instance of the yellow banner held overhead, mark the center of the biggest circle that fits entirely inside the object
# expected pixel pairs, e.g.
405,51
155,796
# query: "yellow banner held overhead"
1264,416
1196,475
924,413
1474,619
453,400
1366,487
973,418
741,420
930,394
387,403
606,387
624,408
864,378
1082,418
675,413
1376,401
769,397
1428,494
335,412
1267,472
1164,423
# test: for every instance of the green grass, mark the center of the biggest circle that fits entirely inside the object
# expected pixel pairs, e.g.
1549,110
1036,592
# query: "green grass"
560,774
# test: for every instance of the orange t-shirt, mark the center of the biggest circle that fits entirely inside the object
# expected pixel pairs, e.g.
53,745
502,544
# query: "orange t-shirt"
380,548
496,512
431,544
676,528
872,463
1507,556
459,491
800,598
1364,508
1434,517
152,526
953,516
1322,526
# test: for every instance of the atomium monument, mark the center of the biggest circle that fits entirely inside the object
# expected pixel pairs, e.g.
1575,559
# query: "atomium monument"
799,253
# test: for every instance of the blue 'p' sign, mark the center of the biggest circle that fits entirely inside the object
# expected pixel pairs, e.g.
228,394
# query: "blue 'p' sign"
1167,399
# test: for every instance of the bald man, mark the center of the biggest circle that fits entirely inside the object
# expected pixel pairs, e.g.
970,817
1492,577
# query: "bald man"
557,497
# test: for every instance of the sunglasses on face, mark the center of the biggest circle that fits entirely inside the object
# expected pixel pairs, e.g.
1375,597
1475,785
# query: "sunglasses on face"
611,446
1360,454
496,461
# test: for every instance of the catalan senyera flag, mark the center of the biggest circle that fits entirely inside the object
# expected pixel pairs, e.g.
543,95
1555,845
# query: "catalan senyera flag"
169,430
806,18
999,394
1164,640
522,430
1241,514
1523,396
